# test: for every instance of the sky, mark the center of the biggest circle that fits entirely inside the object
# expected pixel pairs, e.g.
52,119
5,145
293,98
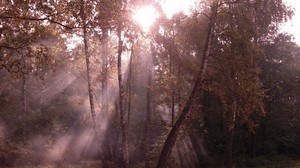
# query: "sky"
293,26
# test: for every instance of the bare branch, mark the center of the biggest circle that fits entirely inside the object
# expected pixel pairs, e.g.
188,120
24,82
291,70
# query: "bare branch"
35,19
10,47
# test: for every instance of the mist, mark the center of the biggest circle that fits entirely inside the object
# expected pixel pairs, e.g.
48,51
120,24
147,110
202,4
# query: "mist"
85,84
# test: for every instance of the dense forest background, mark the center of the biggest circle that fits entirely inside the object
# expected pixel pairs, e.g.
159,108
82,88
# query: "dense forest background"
84,85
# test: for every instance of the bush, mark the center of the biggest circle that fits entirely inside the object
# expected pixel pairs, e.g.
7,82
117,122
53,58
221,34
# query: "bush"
11,153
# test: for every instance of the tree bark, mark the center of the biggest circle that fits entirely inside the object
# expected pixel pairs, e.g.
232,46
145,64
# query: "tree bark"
129,87
122,101
104,42
24,100
107,144
90,89
148,110
230,118
171,69
173,106
180,155
172,136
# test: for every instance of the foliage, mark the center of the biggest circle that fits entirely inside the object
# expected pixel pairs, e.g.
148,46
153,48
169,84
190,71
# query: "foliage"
280,74
249,97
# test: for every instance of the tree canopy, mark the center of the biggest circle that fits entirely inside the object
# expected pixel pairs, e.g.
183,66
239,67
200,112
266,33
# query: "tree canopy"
82,83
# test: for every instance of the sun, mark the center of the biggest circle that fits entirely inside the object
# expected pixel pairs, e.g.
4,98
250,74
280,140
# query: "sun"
145,16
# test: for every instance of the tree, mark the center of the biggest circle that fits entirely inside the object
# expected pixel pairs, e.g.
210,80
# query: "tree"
232,29
88,71
123,118
23,52
170,141
241,92
148,109
209,78
280,77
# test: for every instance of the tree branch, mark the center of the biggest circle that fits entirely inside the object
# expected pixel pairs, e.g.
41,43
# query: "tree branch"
35,19
10,47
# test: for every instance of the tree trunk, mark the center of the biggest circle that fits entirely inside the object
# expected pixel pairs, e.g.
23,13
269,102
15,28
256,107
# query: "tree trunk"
253,145
171,69
129,88
228,149
122,101
173,106
90,89
230,118
172,136
180,155
115,130
104,42
24,100
107,144
44,77
148,110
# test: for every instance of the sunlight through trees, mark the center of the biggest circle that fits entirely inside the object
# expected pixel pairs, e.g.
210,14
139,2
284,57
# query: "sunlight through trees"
139,83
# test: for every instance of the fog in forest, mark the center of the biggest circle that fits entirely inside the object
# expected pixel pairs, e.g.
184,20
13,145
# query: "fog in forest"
100,84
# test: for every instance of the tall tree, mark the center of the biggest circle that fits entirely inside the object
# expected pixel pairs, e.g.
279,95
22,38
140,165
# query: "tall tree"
237,52
89,82
24,99
172,136
148,106
123,115
280,76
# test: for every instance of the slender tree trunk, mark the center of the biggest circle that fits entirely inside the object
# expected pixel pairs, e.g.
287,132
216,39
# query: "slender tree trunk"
222,129
230,118
122,101
172,136
44,77
90,89
171,69
107,145
129,87
179,90
147,126
24,100
228,149
173,106
180,155
264,125
104,43
123,117
116,132
148,110
253,145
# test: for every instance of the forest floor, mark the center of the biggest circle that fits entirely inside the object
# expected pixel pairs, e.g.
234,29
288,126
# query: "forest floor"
82,164
284,164
297,165
281,163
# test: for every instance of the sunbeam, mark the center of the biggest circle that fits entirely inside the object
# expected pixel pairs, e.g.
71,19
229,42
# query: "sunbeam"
56,86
